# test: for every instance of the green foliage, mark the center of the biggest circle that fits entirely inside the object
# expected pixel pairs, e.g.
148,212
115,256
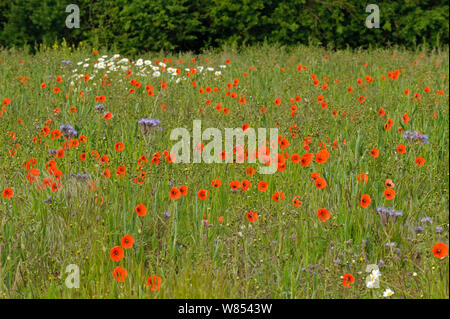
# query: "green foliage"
183,25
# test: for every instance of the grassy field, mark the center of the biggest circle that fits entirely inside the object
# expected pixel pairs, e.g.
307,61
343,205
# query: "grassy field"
60,207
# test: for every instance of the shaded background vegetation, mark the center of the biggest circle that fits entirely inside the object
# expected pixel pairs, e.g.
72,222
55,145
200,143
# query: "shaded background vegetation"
132,26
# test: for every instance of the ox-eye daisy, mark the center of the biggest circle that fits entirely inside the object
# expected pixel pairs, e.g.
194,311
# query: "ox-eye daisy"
388,292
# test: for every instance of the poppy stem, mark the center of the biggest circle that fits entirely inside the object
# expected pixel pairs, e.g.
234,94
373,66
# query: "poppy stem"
195,217
175,232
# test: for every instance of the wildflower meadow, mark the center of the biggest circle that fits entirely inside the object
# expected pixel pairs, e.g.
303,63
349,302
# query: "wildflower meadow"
96,203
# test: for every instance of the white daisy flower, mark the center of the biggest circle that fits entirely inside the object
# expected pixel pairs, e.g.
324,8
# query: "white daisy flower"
100,65
376,273
388,292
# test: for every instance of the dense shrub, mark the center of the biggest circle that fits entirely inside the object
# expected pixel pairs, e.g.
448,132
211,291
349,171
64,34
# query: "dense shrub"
177,25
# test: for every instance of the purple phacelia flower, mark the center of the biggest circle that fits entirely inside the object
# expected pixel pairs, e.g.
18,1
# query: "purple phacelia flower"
411,136
146,124
387,214
426,220
68,130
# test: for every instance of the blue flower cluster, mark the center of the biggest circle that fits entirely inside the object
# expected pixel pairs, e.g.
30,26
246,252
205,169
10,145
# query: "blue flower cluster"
147,124
411,136
68,130
388,214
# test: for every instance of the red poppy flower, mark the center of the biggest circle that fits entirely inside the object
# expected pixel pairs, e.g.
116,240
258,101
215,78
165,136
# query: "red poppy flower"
120,274
363,178
235,185
107,173
116,253
320,182
440,250
108,116
365,200
306,159
401,149
322,156
323,214
347,280
175,193
119,146
250,171
246,184
216,183
252,216
183,190
141,210
296,201
374,152
389,183
127,241
262,186
153,282
8,192
420,161
203,194
277,196
121,170
389,193
295,158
